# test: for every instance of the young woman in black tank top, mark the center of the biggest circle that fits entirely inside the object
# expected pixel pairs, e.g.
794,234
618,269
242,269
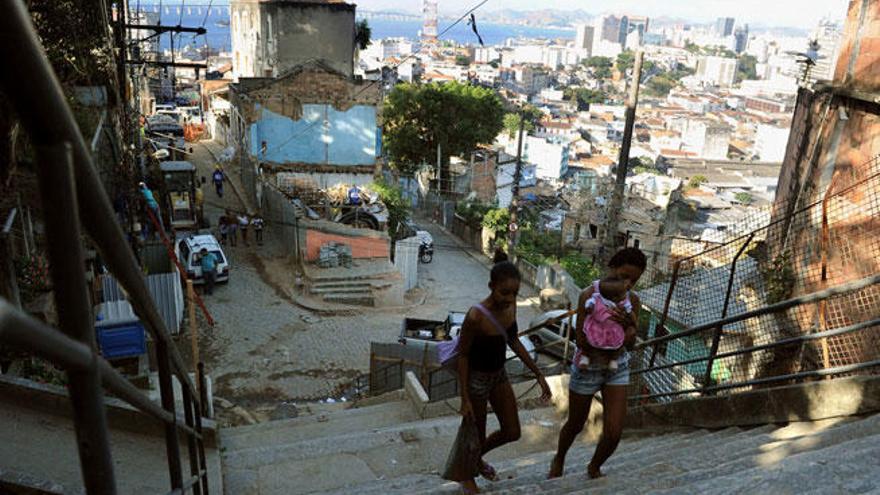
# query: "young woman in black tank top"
482,351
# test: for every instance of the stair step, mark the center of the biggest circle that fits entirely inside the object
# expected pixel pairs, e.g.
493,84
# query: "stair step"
322,425
852,467
341,290
341,284
350,299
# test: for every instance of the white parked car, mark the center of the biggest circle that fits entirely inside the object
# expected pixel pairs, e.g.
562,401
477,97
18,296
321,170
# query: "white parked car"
188,248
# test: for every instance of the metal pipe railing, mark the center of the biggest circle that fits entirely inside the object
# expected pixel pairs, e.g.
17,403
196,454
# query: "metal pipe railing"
801,339
820,373
24,332
75,319
42,108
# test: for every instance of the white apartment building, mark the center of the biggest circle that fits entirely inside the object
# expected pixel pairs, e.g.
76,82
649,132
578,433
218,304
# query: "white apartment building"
717,71
770,142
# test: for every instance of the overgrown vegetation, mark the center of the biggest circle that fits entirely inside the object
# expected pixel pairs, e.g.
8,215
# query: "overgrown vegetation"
744,198
472,211
779,278
398,207
497,221
584,97
696,181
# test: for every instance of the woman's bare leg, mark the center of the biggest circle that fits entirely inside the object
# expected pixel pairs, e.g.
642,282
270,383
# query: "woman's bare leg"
503,402
578,411
479,406
613,415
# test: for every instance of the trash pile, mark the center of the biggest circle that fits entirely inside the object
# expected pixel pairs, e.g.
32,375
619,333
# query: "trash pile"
334,254
342,194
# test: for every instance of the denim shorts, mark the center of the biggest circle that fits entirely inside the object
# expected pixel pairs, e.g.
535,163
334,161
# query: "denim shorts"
591,380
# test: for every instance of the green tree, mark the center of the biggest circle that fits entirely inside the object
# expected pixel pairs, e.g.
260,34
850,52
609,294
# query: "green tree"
462,60
601,66
584,97
497,220
362,34
457,117
660,85
625,60
512,120
746,68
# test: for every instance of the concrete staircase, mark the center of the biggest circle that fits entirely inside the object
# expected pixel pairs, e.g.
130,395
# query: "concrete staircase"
385,449
354,292
366,283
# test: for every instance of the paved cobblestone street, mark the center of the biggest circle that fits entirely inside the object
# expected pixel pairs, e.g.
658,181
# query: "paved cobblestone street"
263,353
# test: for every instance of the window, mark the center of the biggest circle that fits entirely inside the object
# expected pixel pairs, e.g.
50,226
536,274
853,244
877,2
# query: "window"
594,231
636,243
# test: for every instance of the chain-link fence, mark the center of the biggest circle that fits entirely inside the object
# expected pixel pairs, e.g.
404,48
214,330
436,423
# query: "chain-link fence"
831,242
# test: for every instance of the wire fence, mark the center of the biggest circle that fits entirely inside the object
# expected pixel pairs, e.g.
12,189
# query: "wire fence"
828,243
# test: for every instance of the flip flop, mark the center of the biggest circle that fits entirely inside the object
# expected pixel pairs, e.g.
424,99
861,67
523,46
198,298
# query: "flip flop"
488,472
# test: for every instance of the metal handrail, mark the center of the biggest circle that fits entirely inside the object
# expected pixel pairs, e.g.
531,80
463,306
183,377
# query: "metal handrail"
779,343
42,108
23,331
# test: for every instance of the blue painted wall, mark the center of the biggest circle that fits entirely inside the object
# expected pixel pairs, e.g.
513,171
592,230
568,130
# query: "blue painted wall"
323,135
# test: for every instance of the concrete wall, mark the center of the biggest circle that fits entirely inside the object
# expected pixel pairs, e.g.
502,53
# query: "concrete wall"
406,259
322,135
305,31
271,38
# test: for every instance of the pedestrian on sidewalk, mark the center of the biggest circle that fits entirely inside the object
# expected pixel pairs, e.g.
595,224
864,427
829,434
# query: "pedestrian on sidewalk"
232,224
208,263
218,177
243,222
257,224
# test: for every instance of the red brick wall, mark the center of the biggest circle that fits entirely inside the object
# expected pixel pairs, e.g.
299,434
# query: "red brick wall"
483,179
361,247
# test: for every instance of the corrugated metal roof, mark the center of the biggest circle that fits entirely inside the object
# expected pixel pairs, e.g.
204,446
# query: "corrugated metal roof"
167,293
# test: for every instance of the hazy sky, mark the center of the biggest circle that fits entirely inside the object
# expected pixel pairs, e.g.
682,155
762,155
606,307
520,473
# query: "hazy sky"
795,13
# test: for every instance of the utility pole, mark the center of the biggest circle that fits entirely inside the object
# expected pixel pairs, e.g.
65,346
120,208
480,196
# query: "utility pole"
614,207
517,177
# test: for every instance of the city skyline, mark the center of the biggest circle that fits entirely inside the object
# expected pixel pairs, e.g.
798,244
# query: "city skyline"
804,14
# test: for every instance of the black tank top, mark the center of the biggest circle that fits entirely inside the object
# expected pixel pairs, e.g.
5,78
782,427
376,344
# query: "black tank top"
489,351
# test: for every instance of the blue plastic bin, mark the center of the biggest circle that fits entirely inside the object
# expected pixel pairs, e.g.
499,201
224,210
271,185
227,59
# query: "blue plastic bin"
119,332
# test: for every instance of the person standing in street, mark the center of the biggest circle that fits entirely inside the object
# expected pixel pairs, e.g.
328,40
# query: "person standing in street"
200,202
232,226
243,223
218,177
208,263
257,224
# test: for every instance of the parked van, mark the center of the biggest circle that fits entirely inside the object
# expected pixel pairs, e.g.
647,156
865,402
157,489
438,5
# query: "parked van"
188,249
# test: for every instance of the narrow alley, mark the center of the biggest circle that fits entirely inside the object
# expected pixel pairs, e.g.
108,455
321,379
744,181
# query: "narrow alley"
270,356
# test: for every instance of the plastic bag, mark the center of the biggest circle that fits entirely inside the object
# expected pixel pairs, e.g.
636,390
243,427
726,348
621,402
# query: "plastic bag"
463,462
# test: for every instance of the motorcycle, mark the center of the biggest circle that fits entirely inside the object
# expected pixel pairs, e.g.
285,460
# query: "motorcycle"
426,252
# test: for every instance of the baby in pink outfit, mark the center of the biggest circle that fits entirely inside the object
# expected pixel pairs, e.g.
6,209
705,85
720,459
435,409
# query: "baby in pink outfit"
604,335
